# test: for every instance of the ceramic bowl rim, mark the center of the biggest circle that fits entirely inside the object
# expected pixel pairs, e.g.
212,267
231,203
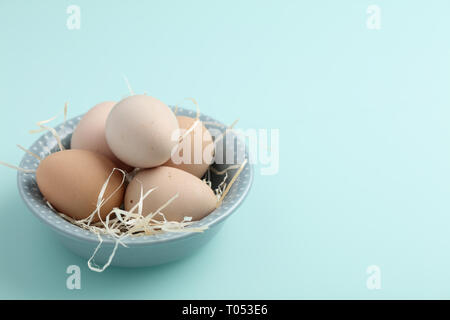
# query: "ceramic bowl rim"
60,225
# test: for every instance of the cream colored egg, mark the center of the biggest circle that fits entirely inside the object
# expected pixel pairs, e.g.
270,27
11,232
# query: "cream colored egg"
195,198
141,131
90,133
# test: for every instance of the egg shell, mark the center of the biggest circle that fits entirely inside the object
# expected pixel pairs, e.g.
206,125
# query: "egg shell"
90,133
71,181
198,143
139,131
195,198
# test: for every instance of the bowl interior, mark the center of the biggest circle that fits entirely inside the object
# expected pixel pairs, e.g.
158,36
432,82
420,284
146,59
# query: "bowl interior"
233,148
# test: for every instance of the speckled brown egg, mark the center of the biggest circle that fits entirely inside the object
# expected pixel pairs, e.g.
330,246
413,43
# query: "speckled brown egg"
195,198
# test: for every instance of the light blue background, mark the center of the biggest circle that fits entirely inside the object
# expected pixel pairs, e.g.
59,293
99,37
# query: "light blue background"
364,119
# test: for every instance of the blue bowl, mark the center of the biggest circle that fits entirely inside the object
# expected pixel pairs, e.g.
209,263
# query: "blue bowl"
139,251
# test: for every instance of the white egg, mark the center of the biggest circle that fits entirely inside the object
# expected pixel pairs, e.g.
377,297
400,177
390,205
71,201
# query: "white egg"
142,131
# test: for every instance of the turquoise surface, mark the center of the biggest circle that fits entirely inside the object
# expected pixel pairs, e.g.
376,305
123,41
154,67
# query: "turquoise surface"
364,119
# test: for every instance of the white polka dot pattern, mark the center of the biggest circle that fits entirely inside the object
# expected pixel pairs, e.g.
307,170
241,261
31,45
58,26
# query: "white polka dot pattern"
47,144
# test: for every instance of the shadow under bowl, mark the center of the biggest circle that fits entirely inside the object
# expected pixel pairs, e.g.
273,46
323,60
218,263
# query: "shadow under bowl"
143,250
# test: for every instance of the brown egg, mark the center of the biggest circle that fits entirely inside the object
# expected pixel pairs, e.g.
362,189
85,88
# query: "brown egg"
90,133
71,181
195,198
195,152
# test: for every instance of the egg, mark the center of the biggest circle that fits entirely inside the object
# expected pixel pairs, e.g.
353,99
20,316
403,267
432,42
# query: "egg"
71,181
141,131
195,152
195,198
90,133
